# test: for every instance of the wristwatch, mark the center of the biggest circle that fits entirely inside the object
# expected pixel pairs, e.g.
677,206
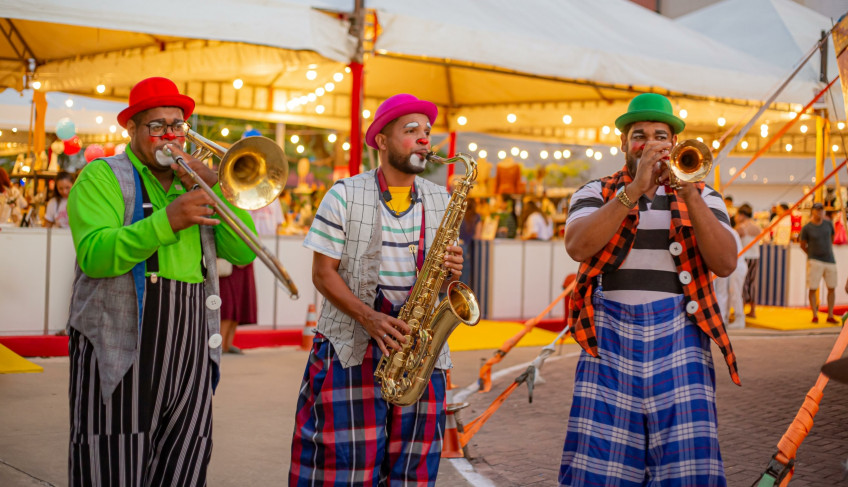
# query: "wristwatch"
622,197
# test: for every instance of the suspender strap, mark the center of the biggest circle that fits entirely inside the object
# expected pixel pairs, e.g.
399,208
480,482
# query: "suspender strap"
138,269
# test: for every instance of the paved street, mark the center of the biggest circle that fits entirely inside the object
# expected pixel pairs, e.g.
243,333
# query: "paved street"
520,445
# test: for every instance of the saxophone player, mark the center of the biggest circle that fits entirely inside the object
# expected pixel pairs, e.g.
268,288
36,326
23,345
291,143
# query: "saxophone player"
369,238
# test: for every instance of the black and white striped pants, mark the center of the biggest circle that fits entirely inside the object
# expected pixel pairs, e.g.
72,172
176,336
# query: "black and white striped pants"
156,428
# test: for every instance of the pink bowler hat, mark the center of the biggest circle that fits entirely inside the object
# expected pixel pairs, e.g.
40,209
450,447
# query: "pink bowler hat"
395,107
155,92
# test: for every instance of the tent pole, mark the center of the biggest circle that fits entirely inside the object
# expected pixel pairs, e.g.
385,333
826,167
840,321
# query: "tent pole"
357,30
451,153
822,126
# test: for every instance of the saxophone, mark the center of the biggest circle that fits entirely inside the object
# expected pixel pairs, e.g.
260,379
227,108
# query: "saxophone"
404,374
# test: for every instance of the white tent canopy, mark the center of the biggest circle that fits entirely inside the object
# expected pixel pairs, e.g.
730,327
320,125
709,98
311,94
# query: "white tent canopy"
779,32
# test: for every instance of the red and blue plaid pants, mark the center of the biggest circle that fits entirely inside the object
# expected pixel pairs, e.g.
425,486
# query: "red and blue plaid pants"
346,434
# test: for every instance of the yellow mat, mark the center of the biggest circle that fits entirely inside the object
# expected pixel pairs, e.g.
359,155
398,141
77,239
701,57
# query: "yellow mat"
786,319
12,363
492,334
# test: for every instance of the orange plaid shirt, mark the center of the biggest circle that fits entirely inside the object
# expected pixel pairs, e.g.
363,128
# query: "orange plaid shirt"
707,317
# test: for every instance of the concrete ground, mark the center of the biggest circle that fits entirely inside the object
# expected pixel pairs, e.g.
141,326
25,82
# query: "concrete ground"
519,445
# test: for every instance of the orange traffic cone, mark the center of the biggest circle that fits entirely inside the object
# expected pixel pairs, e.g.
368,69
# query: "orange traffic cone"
452,446
448,384
308,329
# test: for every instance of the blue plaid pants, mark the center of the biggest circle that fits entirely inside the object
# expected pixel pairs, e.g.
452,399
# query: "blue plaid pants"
644,411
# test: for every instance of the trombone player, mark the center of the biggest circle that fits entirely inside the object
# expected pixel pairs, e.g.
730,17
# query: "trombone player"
144,323
644,311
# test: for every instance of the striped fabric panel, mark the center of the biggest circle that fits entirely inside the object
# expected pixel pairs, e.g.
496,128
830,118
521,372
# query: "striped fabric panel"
397,267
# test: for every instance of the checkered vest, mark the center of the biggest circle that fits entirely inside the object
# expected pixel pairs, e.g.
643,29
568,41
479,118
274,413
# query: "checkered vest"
359,266
707,316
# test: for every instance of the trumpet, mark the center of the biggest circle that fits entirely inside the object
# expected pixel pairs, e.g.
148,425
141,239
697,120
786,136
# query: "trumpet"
251,174
689,161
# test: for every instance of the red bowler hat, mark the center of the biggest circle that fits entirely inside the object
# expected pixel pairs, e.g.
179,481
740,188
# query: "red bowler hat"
155,92
395,107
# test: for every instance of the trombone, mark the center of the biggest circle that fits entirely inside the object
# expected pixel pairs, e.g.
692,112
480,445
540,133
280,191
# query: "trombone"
252,173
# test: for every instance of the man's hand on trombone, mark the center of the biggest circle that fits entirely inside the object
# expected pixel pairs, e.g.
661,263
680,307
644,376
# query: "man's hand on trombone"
208,176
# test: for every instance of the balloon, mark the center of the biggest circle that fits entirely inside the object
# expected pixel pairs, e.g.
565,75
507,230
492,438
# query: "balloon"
73,145
65,128
108,149
93,151
120,148
57,147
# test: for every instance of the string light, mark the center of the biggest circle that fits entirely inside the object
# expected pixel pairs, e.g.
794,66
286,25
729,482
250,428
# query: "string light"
617,132
329,87
803,129
557,155
98,119
598,155
125,134
294,139
566,119
347,69
338,77
366,113
515,151
524,154
543,154
605,130
744,144
319,109
346,146
511,118
331,138
238,83
731,171
300,149
683,113
566,153
840,125
101,88
721,121
501,154
788,147
461,120
613,151
36,85
590,152
69,103
14,130
472,147
716,144
319,91
482,154
835,148
312,97
792,177
113,129
699,139
311,75
225,132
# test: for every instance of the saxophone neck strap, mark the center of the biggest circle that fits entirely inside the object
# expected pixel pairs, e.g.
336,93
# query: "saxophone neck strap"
386,195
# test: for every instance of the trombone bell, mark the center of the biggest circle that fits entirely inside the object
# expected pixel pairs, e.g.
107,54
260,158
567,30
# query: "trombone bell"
253,173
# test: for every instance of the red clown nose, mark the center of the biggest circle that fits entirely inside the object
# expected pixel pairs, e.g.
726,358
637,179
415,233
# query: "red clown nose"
423,141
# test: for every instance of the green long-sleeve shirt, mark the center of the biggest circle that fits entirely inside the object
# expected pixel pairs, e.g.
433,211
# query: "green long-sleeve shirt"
107,248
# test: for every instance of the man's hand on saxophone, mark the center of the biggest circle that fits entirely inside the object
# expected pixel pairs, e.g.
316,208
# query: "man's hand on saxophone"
453,263
387,331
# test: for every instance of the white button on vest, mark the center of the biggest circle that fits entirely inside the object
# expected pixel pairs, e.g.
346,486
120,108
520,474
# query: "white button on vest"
692,307
213,302
216,340
685,277
675,248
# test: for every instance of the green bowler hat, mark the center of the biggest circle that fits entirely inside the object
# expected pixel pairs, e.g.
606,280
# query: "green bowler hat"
650,107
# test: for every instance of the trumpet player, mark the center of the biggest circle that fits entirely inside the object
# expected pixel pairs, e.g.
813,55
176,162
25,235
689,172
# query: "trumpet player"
144,323
644,312
369,238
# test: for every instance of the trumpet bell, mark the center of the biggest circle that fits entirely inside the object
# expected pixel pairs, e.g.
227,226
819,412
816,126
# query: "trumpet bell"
690,161
253,173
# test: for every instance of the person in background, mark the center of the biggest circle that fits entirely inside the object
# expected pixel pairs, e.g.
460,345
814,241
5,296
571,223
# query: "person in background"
12,200
731,210
144,341
56,214
507,221
728,292
817,243
643,309
471,228
748,231
536,225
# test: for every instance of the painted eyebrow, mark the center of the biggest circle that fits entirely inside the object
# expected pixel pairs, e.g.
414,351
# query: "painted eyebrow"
411,125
